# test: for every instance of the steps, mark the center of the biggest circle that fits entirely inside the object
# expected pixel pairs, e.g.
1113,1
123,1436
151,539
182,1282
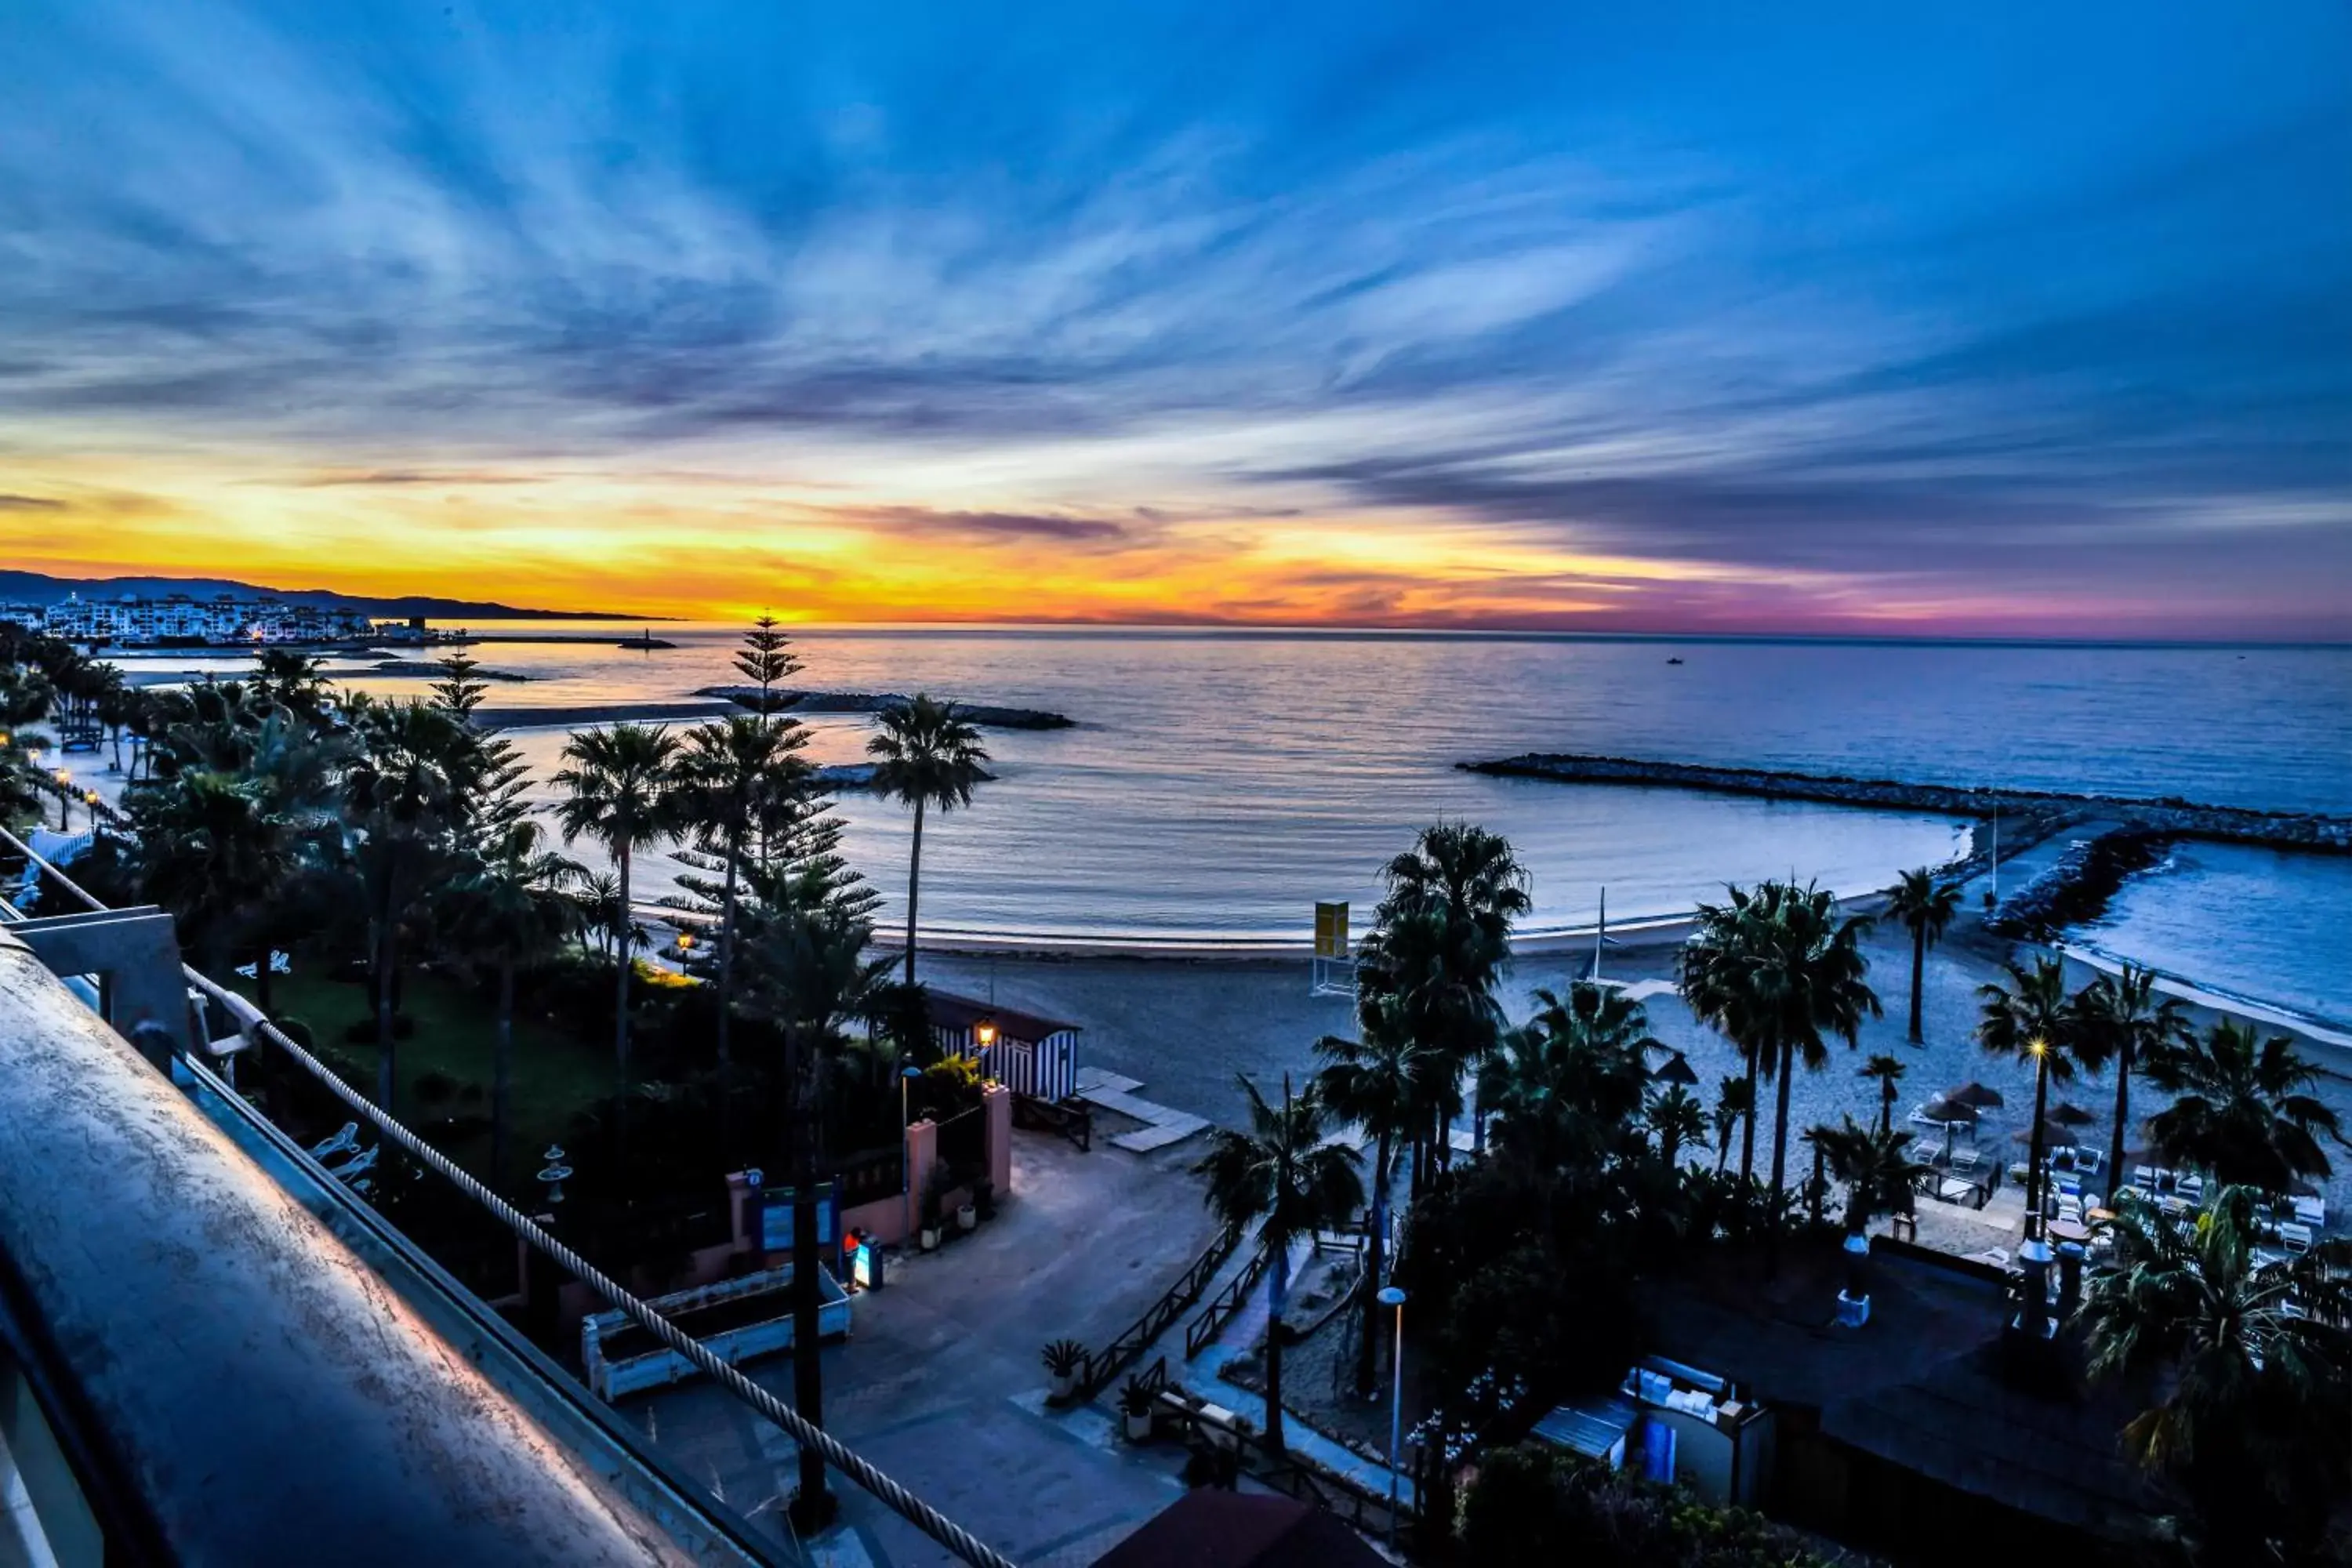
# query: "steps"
1161,1126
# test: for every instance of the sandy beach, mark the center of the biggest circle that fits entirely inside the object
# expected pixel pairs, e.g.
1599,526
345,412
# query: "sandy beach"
1186,1027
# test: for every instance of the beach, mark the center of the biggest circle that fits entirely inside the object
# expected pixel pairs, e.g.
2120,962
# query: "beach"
1188,1027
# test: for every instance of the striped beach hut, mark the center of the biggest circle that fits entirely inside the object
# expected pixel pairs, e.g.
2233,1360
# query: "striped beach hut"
1032,1056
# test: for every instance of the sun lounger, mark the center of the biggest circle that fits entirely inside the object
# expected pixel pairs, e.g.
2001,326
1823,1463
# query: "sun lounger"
2310,1211
2296,1237
1964,1159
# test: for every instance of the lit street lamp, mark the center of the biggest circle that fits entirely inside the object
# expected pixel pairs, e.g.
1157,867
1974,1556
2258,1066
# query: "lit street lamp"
1393,1296
65,798
983,1033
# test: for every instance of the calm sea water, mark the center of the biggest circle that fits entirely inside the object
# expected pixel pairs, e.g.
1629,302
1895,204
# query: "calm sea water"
1219,782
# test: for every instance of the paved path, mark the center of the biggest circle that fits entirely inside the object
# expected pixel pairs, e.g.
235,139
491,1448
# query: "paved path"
1161,1126
941,1383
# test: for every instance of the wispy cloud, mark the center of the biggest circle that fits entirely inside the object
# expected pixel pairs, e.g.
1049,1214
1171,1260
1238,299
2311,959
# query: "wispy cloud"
999,293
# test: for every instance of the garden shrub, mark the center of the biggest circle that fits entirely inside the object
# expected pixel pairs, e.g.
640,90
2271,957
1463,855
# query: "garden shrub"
1535,1507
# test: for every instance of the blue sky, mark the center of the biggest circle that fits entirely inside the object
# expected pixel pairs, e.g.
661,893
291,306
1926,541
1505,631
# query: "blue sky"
1805,317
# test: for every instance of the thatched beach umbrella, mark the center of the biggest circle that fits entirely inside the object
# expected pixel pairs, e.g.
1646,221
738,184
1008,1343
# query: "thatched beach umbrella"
2052,1135
1948,1111
2072,1116
1976,1094
1676,1070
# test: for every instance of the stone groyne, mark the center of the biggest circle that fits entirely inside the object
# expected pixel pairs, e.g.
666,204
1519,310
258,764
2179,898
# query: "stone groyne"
2167,818
988,715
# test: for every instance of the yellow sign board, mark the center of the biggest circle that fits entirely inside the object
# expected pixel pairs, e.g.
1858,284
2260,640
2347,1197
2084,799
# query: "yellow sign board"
1331,931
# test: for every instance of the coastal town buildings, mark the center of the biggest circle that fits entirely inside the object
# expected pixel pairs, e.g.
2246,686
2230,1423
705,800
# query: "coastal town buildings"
181,620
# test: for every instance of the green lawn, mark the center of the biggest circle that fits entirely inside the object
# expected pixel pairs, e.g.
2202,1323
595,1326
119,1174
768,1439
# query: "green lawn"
555,1076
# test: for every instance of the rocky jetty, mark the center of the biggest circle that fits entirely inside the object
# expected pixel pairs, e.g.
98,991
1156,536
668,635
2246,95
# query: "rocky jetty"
427,668
987,715
2167,818
2123,835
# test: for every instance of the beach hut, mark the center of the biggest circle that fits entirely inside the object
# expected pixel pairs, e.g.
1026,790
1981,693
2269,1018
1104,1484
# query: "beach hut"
1031,1056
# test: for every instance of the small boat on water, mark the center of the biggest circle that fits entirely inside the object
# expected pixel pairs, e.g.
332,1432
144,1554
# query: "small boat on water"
1674,661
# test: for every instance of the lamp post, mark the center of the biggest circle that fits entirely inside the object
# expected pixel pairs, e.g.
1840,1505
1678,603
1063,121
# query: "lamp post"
1393,1296
984,1034
65,798
907,1075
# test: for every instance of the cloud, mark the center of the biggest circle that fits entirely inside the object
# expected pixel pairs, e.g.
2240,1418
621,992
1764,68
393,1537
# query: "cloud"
987,525
30,503
1524,280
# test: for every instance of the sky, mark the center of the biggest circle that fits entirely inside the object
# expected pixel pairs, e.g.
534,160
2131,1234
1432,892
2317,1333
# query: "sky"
1982,321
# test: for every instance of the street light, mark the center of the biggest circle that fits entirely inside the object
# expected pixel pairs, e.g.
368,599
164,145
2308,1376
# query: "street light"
984,1033
907,1075
1393,1296
65,798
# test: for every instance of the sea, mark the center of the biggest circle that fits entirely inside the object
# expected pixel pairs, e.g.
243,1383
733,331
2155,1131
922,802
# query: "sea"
1217,784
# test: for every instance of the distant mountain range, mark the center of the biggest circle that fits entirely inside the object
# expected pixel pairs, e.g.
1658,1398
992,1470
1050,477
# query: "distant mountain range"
39,588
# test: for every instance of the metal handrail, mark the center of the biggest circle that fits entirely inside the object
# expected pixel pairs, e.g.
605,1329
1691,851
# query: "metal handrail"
900,1500
1224,1304
1100,1366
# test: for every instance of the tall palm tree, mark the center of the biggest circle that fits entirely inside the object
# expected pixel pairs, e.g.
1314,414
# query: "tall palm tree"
1776,970
1735,1105
1440,942
2136,1027
1888,1072
513,906
2032,1020
736,776
400,800
2242,1109
2256,1370
618,794
1880,1176
1286,1175
1379,1083
929,757
1925,910
806,969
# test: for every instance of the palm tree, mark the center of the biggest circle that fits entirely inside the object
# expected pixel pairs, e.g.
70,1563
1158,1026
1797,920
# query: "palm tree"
1286,1175
806,969
1776,970
1567,1088
1925,910
1440,942
513,906
1880,1175
1889,1071
1676,1119
735,778
2241,1110
292,679
2256,1370
212,854
398,796
2123,1011
1378,1083
930,757
2032,1020
618,794
1735,1103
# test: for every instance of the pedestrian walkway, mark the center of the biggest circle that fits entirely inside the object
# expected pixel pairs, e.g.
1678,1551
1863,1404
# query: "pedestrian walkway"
1161,1127
1199,1376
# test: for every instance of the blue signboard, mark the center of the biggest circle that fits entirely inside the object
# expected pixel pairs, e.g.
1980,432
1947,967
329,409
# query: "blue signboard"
776,1219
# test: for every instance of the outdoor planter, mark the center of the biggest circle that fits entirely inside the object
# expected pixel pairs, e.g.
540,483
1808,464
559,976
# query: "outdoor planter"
968,1217
735,1319
1064,1359
1139,1425
929,1239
